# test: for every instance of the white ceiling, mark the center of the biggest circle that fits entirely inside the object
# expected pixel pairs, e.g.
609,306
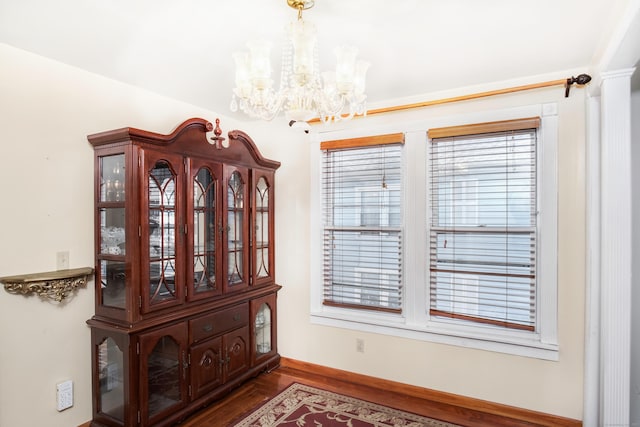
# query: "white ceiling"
182,48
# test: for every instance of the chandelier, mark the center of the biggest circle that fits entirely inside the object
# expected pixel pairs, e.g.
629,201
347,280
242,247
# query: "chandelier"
304,92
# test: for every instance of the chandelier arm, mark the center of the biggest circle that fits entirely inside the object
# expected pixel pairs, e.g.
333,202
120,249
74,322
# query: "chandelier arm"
335,109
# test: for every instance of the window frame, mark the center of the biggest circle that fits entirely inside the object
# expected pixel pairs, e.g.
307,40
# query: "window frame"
511,143
338,160
414,321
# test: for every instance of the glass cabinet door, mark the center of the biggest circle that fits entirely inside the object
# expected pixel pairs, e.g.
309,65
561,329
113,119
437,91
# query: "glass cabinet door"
236,229
262,224
161,228
202,236
112,238
110,372
164,365
264,327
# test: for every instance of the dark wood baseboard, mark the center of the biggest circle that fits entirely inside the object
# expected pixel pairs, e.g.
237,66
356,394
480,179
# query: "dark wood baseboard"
450,407
525,415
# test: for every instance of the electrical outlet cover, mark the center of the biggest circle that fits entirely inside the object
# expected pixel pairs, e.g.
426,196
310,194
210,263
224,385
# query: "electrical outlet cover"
64,395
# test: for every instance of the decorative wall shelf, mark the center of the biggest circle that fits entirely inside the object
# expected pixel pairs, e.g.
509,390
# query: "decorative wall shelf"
55,285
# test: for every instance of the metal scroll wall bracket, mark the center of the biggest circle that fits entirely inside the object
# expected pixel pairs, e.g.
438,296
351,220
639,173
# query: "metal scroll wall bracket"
54,285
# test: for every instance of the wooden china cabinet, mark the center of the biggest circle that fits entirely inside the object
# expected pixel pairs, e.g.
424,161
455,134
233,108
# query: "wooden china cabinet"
185,301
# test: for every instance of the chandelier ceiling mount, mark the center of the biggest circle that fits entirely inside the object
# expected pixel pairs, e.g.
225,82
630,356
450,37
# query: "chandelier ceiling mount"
301,5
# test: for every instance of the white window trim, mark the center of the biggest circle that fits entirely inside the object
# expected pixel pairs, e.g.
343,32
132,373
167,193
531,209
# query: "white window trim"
414,322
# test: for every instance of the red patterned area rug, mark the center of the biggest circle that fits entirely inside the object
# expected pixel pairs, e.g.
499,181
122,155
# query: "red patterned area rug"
301,405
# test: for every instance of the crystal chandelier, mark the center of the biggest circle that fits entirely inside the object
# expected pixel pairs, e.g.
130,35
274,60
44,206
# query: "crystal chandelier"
304,92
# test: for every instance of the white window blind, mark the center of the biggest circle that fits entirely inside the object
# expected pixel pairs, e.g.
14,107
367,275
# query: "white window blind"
482,244
362,235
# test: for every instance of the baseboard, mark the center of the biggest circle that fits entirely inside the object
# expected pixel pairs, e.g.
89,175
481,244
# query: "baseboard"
538,418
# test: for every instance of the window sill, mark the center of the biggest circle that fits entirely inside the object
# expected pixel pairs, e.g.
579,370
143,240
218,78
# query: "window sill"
442,332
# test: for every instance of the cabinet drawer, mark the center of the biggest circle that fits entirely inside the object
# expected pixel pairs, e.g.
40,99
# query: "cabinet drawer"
218,322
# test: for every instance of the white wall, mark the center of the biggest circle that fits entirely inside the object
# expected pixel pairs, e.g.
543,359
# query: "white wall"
635,260
46,111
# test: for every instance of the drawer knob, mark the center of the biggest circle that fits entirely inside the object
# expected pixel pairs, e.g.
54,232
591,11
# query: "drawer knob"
236,317
207,328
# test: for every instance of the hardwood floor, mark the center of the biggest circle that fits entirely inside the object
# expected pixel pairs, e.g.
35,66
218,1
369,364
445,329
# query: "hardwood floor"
443,406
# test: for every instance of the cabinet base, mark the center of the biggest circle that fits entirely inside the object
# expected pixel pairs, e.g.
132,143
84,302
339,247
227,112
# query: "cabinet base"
264,366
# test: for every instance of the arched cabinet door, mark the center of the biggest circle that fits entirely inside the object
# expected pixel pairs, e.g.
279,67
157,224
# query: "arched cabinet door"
110,380
263,248
263,328
207,362
235,232
162,231
164,367
204,229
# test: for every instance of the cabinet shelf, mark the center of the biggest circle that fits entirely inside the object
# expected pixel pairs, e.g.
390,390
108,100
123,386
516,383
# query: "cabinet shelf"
110,257
110,204
55,285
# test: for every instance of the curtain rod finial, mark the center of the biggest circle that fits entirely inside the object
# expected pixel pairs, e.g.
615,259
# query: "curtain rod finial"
582,79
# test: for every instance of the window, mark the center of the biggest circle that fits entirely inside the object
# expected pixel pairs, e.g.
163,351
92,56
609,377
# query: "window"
449,237
482,235
363,224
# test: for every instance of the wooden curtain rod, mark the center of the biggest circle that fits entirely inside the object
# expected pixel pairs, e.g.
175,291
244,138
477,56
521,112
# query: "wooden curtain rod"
582,79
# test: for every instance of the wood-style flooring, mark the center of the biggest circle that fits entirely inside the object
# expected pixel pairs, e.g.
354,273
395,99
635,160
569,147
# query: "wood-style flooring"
451,408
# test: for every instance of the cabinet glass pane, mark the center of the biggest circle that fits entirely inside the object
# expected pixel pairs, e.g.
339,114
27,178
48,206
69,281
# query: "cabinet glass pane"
235,203
204,224
262,260
263,329
110,376
112,238
162,280
113,283
234,272
262,228
112,178
262,193
163,373
162,233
